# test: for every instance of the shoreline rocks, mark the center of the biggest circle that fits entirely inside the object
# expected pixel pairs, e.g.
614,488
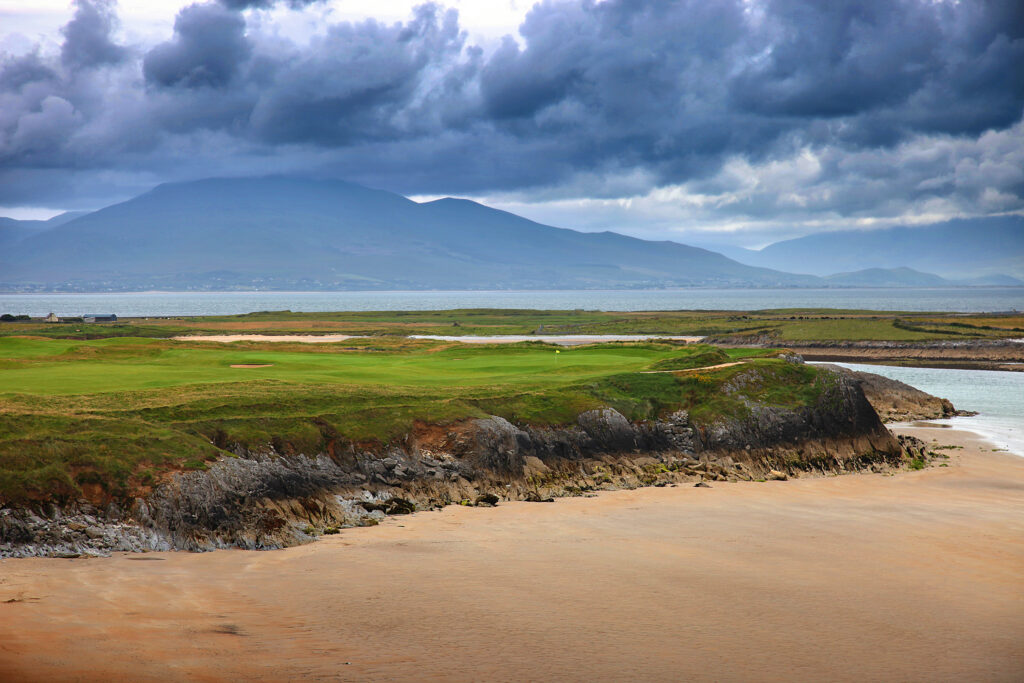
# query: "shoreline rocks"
895,401
264,500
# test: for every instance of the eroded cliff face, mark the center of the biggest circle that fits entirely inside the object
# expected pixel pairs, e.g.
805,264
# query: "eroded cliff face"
261,499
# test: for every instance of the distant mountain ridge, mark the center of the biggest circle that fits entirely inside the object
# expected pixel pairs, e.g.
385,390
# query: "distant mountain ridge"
13,231
285,233
908,277
960,249
281,233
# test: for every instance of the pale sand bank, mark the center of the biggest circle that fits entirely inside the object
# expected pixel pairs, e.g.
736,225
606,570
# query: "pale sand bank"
561,340
298,338
918,576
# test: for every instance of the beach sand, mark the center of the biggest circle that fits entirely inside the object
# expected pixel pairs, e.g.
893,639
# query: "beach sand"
916,576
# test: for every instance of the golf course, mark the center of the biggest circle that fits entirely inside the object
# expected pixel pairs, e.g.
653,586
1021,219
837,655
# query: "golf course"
113,416
110,411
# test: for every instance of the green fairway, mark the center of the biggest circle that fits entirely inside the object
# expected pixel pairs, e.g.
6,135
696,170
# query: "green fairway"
114,415
54,367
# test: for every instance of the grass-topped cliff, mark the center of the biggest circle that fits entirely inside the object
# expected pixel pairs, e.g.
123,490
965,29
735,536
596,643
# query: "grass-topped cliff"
109,417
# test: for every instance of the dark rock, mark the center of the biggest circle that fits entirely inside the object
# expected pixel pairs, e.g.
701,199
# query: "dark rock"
400,506
609,428
487,499
534,497
702,485
895,401
496,445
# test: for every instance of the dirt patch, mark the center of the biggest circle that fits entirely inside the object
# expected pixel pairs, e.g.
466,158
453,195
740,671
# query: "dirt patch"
707,367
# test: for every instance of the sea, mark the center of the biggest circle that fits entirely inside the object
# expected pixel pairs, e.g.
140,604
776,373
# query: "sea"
154,304
997,397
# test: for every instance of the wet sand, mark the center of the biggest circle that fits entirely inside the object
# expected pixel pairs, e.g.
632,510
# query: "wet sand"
917,576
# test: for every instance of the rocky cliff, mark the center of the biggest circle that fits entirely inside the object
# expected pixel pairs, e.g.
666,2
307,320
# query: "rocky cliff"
262,499
895,401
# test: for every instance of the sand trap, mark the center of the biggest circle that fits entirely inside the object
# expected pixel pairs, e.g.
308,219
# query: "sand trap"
301,338
253,365
917,576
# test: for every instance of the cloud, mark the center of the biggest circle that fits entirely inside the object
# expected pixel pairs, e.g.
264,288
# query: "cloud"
87,37
926,179
358,83
265,4
208,49
742,111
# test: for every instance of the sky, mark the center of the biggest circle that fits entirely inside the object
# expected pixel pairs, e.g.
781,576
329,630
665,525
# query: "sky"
735,122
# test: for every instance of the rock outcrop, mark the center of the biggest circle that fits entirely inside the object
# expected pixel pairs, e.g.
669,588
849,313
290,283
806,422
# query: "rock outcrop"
895,401
262,499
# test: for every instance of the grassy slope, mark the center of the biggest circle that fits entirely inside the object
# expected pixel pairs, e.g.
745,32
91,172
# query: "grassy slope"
112,415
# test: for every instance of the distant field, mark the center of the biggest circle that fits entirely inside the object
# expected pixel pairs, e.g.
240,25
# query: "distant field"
785,325
112,416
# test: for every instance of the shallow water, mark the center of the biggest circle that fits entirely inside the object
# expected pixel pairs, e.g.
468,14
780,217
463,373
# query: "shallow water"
141,304
997,396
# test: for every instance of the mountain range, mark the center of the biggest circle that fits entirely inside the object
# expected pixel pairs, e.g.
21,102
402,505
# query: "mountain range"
983,249
293,233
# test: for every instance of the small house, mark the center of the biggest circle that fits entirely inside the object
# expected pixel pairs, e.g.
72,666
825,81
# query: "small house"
52,318
99,318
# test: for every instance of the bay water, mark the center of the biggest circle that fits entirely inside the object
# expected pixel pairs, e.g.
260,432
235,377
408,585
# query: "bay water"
143,304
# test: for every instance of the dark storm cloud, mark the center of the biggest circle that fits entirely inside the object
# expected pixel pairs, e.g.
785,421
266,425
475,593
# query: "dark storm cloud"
17,72
208,49
87,37
658,92
902,66
677,85
358,82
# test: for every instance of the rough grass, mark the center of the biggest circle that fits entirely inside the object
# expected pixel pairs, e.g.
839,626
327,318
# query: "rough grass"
110,417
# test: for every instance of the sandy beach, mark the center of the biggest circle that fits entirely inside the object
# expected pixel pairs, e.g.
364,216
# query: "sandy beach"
916,576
